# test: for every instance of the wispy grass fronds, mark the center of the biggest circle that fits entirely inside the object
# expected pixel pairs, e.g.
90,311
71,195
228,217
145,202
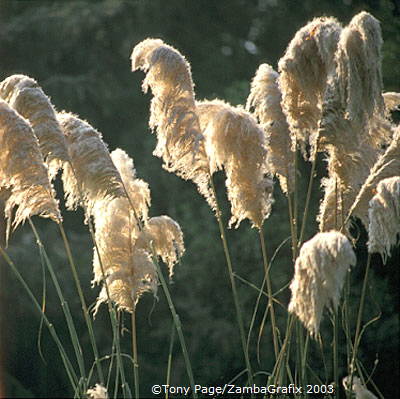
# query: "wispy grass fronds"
320,271
331,208
384,217
388,165
97,392
358,388
28,99
265,97
303,75
92,176
392,101
173,111
166,238
137,190
24,180
236,143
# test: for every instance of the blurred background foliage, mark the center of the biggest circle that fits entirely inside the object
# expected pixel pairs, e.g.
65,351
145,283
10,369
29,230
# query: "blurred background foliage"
79,53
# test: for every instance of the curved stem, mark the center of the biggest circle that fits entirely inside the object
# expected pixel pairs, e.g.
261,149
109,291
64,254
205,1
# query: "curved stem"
233,284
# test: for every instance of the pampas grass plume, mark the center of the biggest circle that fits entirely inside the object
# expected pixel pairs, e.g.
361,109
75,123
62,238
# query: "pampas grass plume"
265,97
28,99
358,388
173,111
235,142
24,180
384,217
165,237
320,271
92,175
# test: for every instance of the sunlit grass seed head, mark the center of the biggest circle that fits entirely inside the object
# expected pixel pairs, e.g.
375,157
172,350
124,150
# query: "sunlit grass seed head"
92,176
97,392
236,143
24,179
387,165
173,117
391,100
28,99
137,190
265,98
320,272
384,217
303,75
163,235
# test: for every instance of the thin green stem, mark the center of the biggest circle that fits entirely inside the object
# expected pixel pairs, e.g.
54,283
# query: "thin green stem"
64,357
336,352
169,366
359,321
178,326
64,304
233,284
83,303
135,355
269,292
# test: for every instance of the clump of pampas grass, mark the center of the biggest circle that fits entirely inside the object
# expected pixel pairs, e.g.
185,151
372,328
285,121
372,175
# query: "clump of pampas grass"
320,271
91,175
236,143
126,241
265,97
384,217
303,77
28,99
24,180
173,111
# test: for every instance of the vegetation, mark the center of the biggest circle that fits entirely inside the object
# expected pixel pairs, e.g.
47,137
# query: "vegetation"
272,278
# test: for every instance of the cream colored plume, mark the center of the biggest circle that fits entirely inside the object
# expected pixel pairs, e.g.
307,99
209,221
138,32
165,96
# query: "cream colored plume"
173,111
303,76
165,237
92,176
138,190
392,101
97,392
320,271
387,165
358,388
265,97
236,143
24,180
384,217
28,99
331,214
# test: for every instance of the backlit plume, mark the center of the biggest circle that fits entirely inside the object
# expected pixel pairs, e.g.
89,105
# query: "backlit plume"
236,143
28,99
384,217
24,180
320,272
265,97
173,111
92,176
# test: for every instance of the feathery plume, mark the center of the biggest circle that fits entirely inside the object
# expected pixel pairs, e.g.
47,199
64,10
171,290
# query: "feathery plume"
97,392
319,275
236,143
303,74
173,112
24,180
387,165
331,212
92,176
28,99
392,101
165,236
265,97
358,388
137,189
384,217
